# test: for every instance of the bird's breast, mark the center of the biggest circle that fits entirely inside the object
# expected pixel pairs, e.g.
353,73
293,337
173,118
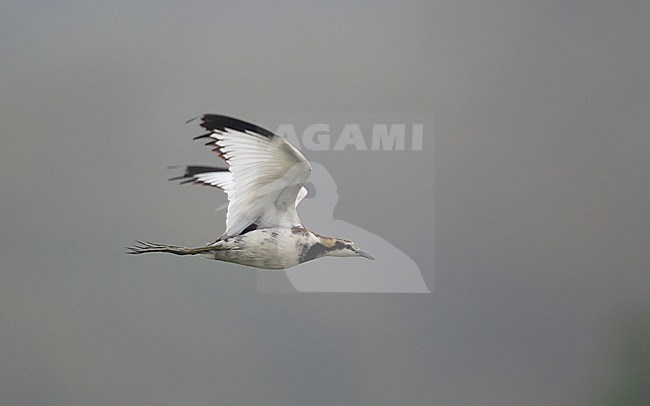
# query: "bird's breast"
266,248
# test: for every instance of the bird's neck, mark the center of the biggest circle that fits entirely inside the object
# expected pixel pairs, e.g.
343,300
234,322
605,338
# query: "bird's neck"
327,242
321,246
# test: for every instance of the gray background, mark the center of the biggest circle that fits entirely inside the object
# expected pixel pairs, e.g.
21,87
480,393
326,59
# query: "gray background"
541,203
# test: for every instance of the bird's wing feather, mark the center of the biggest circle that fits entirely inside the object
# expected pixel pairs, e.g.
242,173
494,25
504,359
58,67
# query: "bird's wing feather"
220,178
301,195
267,174
206,175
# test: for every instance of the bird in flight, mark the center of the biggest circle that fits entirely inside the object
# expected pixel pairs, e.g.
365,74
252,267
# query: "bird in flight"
264,180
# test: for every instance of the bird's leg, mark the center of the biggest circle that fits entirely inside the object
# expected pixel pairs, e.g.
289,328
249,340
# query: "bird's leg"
147,247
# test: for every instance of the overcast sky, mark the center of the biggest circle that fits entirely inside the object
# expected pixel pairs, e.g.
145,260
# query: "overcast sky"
525,212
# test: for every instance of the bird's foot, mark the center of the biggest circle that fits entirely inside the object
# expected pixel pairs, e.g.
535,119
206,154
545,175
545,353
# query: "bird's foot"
146,247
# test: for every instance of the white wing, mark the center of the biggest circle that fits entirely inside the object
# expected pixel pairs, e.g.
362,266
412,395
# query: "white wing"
267,174
220,178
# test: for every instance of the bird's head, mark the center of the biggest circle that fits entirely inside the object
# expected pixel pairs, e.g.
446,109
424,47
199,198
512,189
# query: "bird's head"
338,247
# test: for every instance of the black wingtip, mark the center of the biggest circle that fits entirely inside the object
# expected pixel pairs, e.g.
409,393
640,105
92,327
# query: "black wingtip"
189,176
206,135
215,122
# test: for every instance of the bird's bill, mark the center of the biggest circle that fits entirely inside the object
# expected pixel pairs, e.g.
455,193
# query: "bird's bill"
365,255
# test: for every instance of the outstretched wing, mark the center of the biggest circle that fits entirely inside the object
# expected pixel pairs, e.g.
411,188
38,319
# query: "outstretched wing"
267,174
218,177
